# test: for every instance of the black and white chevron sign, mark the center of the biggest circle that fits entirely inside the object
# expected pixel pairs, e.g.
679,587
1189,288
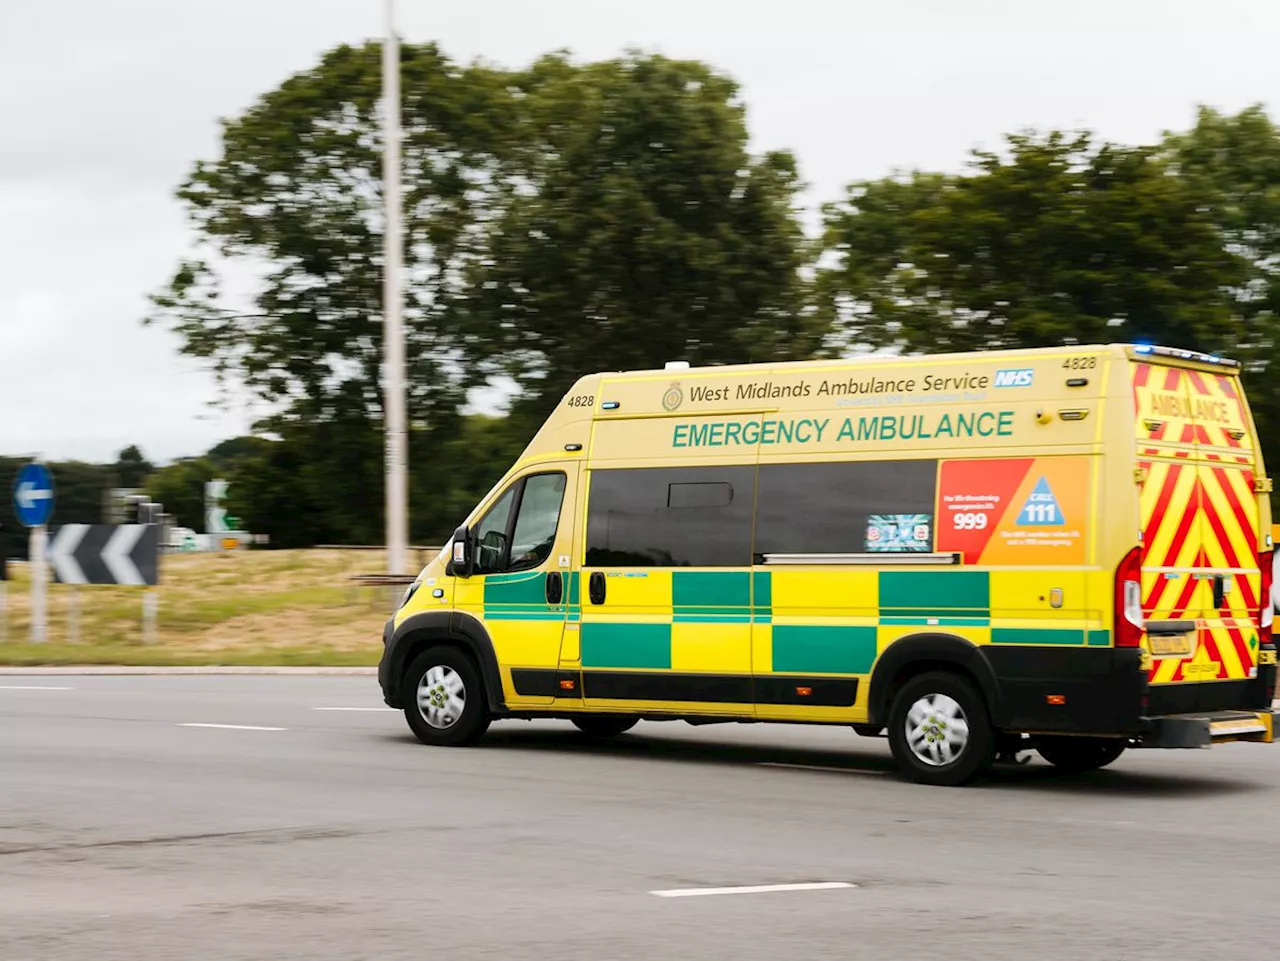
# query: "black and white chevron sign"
106,554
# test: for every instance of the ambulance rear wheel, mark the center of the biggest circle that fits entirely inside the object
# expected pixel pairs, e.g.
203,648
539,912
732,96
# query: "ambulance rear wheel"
443,697
598,727
1076,755
939,731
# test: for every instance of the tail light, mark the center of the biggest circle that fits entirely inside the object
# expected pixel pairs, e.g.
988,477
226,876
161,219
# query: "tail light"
1266,603
1129,621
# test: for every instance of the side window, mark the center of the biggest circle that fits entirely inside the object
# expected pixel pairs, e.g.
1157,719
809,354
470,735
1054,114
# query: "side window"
519,530
491,534
846,508
536,523
670,517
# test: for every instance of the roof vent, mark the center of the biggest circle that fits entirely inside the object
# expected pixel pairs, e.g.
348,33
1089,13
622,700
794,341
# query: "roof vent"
676,365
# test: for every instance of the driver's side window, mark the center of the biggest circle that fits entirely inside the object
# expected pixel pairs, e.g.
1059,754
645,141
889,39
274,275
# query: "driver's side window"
519,530
491,534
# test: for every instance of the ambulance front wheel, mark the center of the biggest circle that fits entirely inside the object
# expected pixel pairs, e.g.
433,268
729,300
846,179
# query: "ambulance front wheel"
1076,755
443,697
939,731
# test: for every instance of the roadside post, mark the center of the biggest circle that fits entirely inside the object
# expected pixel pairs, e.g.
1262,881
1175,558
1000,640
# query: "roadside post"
4,585
33,503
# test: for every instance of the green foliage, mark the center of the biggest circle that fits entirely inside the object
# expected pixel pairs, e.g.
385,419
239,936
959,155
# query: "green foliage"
180,488
572,217
298,188
1060,241
559,220
648,232
1233,163
131,468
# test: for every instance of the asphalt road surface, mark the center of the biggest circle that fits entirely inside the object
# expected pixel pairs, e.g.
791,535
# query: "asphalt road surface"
316,833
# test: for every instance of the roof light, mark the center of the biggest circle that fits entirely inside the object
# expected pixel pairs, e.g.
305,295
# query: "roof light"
1180,354
676,365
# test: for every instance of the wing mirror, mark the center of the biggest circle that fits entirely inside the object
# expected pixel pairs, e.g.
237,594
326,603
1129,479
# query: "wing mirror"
460,562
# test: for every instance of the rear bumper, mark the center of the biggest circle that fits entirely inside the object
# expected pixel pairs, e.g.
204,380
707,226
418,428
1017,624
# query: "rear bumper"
1105,692
1205,730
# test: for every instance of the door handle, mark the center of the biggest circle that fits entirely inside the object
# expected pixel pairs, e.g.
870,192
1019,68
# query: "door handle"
1219,590
595,587
555,588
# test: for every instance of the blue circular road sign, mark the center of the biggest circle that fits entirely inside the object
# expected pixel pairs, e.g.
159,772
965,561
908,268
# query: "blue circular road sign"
33,495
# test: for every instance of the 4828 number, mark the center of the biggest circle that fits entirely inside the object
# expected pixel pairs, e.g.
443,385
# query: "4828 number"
580,400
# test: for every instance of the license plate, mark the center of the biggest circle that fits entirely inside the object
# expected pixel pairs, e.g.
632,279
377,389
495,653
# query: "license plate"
1175,644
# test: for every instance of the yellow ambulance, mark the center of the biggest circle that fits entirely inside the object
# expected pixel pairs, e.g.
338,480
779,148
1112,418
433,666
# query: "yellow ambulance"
1066,550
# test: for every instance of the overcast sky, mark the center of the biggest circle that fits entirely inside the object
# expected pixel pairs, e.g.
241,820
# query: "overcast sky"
106,104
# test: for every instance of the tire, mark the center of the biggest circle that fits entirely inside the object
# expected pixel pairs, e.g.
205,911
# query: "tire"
603,725
939,730
1075,755
444,698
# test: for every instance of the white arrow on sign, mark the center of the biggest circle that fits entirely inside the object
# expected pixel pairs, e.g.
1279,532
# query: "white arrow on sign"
215,520
62,551
28,493
117,554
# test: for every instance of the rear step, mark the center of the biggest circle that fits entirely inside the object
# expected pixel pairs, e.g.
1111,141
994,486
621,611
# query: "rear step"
1206,728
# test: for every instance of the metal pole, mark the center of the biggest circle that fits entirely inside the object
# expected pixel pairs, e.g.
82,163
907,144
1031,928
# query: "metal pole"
150,605
39,584
393,332
73,615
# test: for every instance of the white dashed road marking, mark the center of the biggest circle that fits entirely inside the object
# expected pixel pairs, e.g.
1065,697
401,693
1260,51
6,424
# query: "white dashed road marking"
33,687
753,889
235,727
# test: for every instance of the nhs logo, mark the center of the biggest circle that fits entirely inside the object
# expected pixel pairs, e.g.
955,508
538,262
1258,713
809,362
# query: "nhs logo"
1014,378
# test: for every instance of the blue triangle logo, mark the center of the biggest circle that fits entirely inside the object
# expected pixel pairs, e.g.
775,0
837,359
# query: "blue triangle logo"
1041,508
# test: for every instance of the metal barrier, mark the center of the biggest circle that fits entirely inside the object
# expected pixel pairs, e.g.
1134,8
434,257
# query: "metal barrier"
395,582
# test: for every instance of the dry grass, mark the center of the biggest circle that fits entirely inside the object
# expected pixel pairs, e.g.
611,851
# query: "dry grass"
254,607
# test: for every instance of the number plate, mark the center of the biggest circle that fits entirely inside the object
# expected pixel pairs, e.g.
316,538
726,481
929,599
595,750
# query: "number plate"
1169,645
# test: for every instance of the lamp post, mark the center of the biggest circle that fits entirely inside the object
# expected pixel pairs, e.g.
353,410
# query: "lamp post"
393,391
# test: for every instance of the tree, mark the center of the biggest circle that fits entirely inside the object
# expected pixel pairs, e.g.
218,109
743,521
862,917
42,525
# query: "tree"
297,194
132,469
1062,240
180,488
559,219
1234,164
644,232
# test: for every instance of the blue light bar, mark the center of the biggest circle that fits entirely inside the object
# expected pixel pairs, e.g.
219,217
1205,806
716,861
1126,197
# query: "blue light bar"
1192,355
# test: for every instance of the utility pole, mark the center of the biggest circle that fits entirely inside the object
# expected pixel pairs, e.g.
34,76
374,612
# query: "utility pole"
393,391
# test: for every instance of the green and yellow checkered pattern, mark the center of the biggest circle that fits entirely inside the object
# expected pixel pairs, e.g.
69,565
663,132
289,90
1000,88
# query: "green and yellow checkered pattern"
791,621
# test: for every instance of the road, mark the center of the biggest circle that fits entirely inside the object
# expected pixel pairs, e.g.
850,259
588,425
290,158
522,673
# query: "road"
331,835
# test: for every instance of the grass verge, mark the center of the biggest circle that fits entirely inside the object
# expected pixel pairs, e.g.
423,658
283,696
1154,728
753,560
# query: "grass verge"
253,608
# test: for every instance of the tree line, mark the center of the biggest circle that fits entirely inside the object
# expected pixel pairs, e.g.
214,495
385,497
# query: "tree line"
571,217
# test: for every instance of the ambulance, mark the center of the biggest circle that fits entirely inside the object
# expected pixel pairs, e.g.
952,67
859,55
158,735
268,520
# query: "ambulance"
1066,550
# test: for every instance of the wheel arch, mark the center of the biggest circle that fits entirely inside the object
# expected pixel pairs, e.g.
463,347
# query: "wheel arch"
917,654
418,632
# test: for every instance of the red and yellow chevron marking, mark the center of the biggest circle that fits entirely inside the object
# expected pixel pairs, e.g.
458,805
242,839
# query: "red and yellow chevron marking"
1199,517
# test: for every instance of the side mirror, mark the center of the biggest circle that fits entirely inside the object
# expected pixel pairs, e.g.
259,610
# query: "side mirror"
461,559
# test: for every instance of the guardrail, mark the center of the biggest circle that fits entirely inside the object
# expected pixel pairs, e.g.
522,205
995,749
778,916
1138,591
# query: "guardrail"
393,581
